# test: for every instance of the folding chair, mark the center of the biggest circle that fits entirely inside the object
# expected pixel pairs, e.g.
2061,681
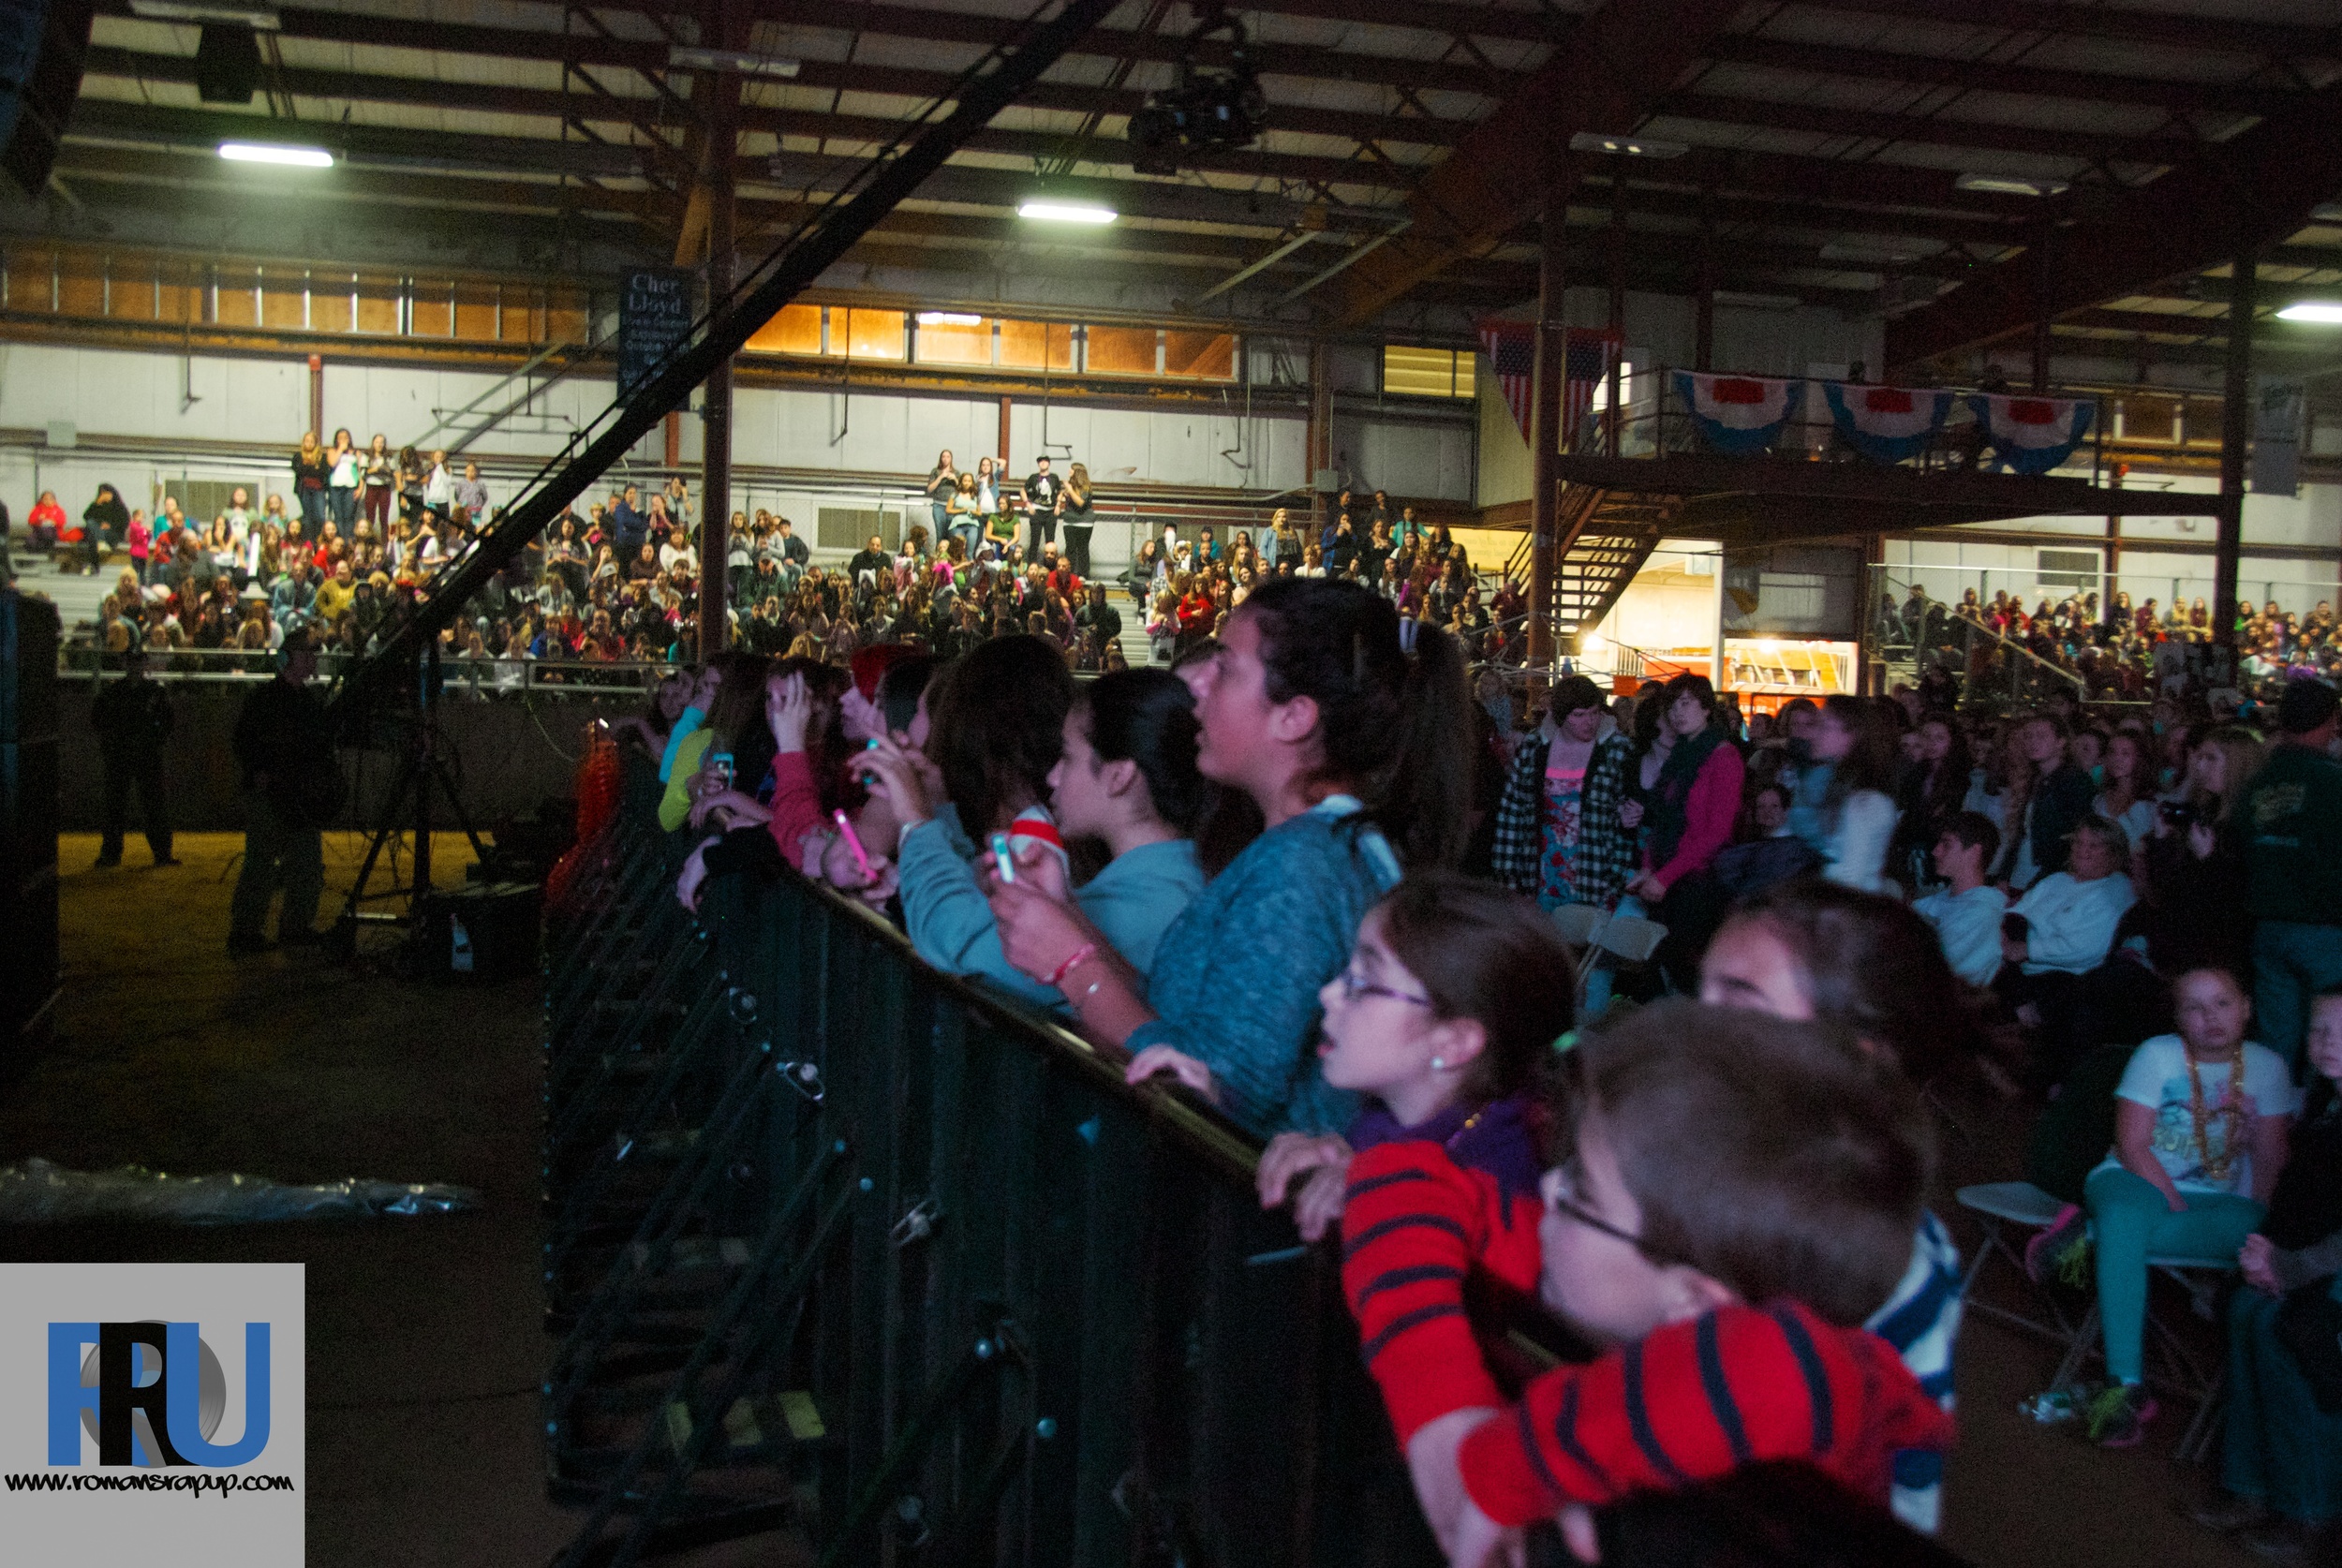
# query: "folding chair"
2170,1365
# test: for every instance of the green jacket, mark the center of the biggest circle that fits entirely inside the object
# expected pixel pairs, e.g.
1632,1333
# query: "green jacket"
2290,818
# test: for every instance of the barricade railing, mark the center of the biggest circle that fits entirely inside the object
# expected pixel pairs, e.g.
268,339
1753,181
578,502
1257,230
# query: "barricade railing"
841,1246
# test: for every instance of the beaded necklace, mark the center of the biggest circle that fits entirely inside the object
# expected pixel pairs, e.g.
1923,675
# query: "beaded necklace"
2230,1109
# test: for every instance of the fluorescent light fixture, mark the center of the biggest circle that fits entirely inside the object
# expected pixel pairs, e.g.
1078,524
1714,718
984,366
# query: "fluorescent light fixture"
2010,184
1064,211
263,152
684,57
2326,313
949,319
263,17
1627,146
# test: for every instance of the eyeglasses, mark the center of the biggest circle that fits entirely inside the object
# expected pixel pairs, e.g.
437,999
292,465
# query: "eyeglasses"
1355,986
1560,1197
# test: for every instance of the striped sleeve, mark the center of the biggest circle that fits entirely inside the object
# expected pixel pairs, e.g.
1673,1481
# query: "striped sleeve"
1411,1226
1696,1401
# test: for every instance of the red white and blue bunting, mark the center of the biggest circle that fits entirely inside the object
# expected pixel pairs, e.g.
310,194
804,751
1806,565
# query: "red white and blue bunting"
1739,414
1886,424
2032,435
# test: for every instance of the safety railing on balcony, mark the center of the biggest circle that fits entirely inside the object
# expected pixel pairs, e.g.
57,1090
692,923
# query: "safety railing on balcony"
1804,418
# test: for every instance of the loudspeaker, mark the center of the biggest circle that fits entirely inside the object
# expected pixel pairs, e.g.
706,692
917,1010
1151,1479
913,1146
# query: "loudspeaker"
41,46
227,63
29,970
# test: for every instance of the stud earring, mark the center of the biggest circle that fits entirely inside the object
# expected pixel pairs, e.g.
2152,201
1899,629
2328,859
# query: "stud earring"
1438,1063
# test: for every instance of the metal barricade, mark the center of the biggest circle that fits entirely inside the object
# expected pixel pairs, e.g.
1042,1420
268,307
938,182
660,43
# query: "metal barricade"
843,1246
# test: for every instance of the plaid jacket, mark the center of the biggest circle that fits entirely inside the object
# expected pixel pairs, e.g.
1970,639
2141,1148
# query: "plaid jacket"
1606,848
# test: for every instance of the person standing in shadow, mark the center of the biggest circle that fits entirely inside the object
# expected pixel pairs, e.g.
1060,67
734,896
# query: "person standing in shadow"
291,789
133,717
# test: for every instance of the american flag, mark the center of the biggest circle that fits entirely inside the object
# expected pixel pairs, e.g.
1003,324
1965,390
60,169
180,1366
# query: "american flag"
1512,351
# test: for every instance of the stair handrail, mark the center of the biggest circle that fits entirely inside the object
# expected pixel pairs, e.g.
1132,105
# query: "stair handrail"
2023,655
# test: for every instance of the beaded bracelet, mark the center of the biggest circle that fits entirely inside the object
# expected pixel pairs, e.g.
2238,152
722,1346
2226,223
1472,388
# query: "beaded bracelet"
1087,950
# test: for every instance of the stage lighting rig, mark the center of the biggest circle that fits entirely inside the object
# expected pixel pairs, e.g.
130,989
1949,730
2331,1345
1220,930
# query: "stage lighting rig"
1214,105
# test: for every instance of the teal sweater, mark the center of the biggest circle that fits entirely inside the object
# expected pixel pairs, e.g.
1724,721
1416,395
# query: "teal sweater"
1234,985
1133,902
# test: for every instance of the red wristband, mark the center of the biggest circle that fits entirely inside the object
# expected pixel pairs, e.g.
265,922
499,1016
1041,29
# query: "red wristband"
1087,950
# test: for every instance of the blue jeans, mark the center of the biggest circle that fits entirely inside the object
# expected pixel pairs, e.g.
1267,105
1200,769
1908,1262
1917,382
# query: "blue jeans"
2279,1449
2292,962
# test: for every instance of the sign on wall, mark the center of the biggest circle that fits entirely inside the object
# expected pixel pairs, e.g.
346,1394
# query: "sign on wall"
655,312
2276,457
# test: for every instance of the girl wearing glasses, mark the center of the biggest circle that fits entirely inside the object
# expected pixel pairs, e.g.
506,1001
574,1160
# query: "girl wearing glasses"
1449,1004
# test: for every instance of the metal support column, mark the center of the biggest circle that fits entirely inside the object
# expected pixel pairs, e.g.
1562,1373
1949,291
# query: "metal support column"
715,424
2236,411
1545,435
2043,280
1321,430
1704,304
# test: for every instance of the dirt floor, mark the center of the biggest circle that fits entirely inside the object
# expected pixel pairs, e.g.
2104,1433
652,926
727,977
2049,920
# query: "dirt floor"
424,1347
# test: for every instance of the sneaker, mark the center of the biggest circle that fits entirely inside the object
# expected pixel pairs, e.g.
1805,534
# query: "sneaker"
105,862
2060,1250
2227,1512
2119,1418
301,935
2279,1541
168,859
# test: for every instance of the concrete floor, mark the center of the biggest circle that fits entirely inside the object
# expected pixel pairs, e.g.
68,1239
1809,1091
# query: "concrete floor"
424,1349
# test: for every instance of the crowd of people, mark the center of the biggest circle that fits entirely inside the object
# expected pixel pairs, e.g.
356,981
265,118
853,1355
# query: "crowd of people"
2121,652
1310,874
367,530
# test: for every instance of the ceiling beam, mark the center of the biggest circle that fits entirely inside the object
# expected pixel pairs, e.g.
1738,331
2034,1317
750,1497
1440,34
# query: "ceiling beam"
1924,130
646,114
2224,33
1987,75
862,18
2256,188
1601,77
649,59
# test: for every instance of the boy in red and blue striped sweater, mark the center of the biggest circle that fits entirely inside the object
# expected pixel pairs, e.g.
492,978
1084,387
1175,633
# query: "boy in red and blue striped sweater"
1742,1195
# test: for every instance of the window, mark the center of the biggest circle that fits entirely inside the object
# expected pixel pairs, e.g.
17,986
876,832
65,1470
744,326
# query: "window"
793,330
1036,346
1409,372
1208,356
867,335
949,337
2074,569
1122,350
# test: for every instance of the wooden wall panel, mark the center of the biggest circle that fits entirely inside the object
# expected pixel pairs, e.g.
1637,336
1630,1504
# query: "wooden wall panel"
433,311
476,312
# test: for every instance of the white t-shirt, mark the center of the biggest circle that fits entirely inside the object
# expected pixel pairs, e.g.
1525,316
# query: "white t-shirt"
1968,926
2157,1079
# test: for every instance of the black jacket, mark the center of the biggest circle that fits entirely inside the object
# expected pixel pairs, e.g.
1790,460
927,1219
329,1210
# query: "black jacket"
283,733
133,717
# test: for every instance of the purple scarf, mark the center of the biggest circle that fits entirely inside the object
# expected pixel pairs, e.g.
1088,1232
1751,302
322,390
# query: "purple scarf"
1498,1140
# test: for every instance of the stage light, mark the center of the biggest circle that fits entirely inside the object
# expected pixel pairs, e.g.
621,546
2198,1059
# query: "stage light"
948,319
263,152
2326,313
1064,211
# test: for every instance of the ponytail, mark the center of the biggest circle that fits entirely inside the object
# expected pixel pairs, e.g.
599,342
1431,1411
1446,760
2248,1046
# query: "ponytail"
1395,725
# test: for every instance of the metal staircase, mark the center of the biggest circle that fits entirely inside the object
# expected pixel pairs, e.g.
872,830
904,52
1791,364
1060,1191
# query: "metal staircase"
1608,535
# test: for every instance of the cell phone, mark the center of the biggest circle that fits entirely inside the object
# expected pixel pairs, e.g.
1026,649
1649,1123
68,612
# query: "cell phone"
854,842
2015,927
720,765
1004,862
